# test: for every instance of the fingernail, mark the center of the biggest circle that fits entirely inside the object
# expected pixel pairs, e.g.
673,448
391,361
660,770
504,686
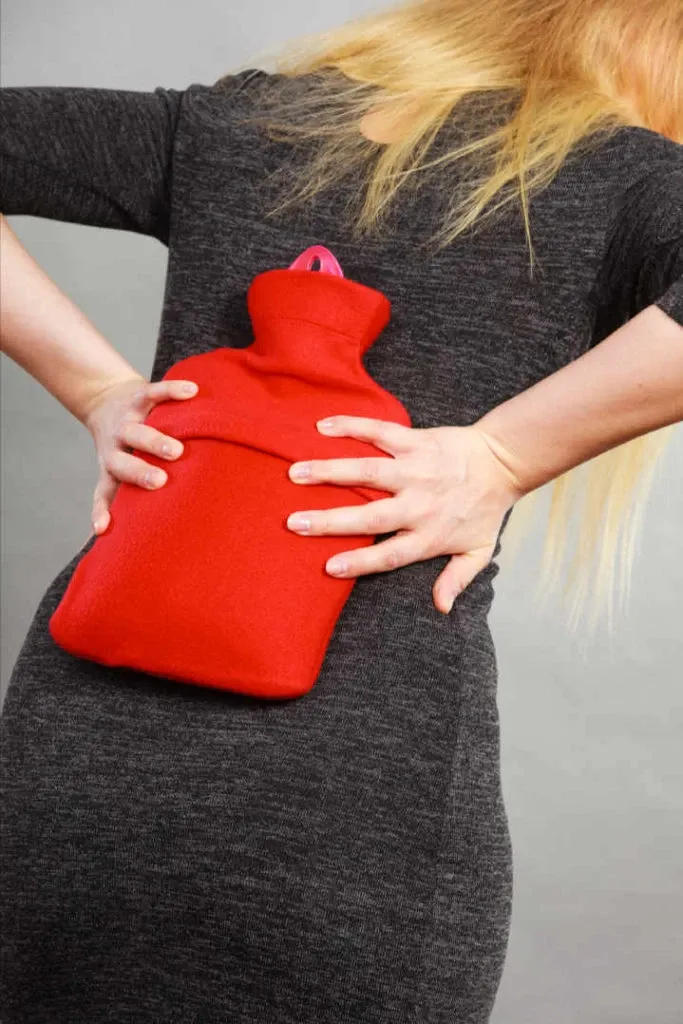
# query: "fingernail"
325,424
450,604
189,388
337,565
171,449
154,477
98,525
300,523
301,471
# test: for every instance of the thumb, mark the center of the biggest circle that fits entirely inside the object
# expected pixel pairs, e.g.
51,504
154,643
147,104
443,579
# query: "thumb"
458,574
104,493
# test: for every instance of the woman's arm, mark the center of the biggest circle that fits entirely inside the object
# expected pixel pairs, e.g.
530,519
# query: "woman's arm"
44,332
101,157
627,385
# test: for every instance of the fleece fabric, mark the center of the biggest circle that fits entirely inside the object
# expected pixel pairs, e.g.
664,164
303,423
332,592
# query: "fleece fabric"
184,854
254,415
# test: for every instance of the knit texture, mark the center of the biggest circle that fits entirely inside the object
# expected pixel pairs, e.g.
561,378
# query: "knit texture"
178,854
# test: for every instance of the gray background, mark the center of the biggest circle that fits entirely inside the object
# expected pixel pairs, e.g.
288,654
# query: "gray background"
591,737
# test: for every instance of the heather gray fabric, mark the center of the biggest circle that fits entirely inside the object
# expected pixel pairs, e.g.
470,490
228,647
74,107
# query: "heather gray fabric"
176,854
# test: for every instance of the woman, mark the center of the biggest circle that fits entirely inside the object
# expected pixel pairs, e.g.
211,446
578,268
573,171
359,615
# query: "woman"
174,853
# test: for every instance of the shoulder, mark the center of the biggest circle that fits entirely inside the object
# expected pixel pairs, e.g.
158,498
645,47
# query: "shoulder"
651,159
640,161
625,157
631,179
234,93
643,142
650,169
644,251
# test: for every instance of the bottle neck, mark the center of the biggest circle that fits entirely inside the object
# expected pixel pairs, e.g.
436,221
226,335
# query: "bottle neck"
314,318
312,351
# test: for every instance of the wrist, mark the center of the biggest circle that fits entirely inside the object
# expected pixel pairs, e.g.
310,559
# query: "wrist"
521,481
92,394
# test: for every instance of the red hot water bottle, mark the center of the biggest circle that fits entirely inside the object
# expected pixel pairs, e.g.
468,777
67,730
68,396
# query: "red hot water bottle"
201,581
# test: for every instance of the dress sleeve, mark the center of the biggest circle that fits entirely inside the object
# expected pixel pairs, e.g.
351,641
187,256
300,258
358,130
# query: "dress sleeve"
644,259
93,156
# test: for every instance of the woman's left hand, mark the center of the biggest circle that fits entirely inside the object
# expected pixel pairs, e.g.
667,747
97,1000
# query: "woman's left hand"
450,494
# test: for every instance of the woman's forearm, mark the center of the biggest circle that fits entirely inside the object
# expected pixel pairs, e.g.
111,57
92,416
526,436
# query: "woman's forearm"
44,332
627,385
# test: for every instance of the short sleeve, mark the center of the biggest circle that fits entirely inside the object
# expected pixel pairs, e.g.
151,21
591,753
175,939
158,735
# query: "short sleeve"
644,260
93,156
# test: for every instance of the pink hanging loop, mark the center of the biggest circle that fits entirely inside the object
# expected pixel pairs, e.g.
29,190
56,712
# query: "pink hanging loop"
328,262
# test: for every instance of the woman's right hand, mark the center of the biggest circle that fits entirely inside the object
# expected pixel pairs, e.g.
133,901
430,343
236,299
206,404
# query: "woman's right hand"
115,420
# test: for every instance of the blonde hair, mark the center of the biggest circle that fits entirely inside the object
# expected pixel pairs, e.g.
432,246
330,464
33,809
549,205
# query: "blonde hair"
576,71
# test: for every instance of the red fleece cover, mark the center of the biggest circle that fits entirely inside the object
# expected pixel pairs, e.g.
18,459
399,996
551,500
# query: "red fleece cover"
201,581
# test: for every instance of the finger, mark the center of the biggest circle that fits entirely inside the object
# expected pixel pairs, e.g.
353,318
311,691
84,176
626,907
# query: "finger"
129,468
381,473
402,549
390,437
161,390
148,439
458,574
102,499
381,516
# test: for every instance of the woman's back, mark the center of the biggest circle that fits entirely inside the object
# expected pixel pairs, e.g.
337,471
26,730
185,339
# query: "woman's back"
344,857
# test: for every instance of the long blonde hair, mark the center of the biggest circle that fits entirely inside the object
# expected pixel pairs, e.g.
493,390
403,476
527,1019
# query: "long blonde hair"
576,70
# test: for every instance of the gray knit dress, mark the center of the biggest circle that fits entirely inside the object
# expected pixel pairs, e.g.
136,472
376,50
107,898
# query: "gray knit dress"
172,853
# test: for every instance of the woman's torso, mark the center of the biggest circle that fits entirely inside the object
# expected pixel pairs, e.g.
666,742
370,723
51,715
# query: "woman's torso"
356,838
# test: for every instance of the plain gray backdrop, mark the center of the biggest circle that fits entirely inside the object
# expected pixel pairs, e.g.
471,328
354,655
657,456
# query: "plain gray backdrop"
591,741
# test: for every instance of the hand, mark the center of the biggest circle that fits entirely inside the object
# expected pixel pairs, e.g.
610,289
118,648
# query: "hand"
451,492
115,420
